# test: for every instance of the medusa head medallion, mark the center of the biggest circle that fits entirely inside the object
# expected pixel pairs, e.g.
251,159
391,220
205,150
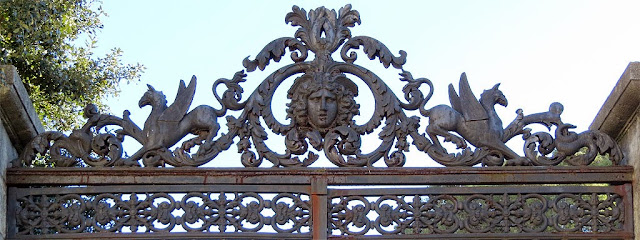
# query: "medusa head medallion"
322,101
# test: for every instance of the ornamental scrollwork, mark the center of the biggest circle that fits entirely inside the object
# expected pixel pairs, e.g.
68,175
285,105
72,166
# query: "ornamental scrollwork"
348,215
320,115
476,214
240,212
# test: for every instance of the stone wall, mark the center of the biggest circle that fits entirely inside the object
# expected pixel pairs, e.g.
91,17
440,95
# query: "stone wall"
7,152
19,124
618,117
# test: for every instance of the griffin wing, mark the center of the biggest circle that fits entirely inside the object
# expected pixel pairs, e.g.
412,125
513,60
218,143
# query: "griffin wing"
454,99
180,106
470,107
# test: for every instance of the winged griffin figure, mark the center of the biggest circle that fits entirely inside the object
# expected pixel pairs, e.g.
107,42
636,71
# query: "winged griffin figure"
475,120
165,126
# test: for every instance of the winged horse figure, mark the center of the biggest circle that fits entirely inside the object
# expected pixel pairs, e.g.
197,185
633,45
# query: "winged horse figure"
475,120
165,126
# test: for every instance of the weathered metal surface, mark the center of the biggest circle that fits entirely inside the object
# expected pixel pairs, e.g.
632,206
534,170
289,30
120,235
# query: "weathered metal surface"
291,201
336,203
320,113
233,236
321,211
319,208
478,210
350,176
125,209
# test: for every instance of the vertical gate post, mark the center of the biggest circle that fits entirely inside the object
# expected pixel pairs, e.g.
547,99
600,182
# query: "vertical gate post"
11,212
319,207
629,208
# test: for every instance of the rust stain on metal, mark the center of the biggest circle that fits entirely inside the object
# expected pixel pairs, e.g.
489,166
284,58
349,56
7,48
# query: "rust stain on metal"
315,212
240,179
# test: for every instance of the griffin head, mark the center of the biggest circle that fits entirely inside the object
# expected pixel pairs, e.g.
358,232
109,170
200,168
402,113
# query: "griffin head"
152,97
495,95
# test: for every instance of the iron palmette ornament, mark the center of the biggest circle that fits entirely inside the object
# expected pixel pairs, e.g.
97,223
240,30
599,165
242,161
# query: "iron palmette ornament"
321,111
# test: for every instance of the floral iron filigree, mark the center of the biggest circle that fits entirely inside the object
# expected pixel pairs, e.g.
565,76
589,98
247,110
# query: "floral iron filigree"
321,110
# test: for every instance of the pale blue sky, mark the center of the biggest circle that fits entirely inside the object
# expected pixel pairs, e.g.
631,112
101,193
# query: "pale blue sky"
571,52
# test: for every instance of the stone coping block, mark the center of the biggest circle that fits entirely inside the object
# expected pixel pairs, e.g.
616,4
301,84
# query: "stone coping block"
621,105
16,109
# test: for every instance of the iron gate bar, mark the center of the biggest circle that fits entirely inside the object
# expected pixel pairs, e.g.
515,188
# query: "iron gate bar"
167,236
319,209
343,176
493,236
243,236
21,192
623,190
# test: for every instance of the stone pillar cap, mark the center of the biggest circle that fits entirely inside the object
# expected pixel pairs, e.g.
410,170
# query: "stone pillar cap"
16,109
621,105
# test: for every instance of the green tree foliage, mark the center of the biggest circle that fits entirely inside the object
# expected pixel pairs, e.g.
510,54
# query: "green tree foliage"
599,161
40,38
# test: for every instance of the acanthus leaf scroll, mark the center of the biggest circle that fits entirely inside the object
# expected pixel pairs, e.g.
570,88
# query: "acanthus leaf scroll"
320,113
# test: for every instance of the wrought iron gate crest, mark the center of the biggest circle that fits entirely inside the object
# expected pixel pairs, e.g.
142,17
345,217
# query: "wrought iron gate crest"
320,110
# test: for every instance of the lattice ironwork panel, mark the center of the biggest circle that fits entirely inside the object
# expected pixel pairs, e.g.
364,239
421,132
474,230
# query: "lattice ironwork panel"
163,209
285,211
496,211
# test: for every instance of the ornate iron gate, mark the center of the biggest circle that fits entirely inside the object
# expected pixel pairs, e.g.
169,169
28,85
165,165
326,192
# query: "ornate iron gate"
95,192
519,203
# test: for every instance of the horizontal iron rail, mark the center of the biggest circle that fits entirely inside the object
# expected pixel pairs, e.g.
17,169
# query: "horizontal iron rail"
233,236
501,236
172,236
20,192
305,176
400,191
619,189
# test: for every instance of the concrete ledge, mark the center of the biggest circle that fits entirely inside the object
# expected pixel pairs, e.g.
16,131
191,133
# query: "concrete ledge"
621,104
16,109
